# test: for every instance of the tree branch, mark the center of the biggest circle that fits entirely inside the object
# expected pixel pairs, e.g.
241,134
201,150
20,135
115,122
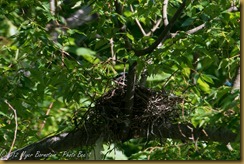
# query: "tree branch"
163,34
237,80
165,13
87,137
53,4
196,29
200,27
138,23
154,28
48,147
131,82
129,98
113,56
16,126
44,121
119,10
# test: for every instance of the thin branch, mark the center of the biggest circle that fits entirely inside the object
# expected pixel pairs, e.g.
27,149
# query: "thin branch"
111,41
44,121
232,9
166,82
165,13
138,23
53,6
163,34
155,27
16,126
196,29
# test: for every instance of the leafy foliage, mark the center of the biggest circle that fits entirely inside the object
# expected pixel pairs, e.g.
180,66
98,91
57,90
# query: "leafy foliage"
50,81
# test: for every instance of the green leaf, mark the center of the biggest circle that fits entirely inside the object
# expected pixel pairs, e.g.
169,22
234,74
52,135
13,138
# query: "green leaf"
130,36
203,85
143,20
3,114
207,78
86,53
128,13
186,71
187,22
201,116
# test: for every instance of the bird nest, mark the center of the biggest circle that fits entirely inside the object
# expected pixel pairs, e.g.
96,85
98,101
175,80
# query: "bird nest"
151,110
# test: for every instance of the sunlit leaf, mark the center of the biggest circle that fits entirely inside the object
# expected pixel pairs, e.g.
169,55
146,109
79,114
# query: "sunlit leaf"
128,13
203,85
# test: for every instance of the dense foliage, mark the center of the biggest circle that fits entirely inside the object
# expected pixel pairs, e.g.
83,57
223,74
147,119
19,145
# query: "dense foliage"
51,73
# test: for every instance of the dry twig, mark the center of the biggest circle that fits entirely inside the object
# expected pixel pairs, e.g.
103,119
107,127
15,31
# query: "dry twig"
16,126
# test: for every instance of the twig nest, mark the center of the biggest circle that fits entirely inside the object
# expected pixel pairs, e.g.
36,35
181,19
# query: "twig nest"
151,111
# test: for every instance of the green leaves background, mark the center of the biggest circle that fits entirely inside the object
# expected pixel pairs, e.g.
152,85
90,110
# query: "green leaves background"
70,74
